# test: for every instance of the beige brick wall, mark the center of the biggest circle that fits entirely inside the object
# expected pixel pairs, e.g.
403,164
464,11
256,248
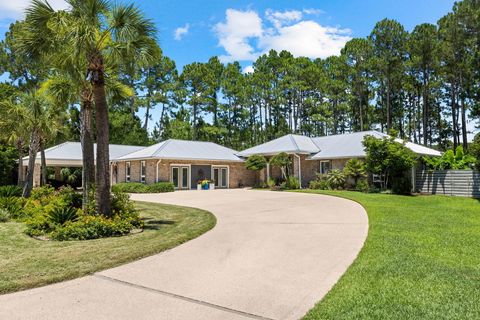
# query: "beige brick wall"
238,174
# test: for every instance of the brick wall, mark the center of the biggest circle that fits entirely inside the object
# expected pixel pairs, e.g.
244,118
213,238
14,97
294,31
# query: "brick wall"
238,174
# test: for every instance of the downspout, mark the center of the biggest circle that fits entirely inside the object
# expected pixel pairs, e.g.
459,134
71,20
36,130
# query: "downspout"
158,162
268,171
299,169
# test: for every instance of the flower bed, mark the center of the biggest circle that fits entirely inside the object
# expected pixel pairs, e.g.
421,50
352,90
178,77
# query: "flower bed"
57,215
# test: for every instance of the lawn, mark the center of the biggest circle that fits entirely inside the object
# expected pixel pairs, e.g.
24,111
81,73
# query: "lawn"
421,260
27,263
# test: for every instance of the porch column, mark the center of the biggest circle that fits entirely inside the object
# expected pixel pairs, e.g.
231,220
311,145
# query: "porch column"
58,175
36,175
268,171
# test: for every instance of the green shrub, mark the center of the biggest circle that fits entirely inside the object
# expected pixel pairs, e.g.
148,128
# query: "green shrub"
39,225
321,183
4,215
336,179
362,185
61,216
292,183
160,187
92,227
270,183
70,197
42,192
13,205
136,187
10,191
402,185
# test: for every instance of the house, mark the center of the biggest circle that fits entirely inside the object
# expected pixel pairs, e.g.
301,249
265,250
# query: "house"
312,155
186,162
182,162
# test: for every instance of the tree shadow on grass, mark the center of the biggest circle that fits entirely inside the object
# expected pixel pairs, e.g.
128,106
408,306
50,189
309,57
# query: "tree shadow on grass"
155,224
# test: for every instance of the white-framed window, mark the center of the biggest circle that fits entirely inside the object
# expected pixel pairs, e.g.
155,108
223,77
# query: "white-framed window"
220,176
143,169
127,171
325,167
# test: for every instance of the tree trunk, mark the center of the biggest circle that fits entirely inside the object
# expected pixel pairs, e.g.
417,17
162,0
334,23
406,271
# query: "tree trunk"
102,191
32,155
454,118
425,112
86,139
20,163
464,126
43,180
147,115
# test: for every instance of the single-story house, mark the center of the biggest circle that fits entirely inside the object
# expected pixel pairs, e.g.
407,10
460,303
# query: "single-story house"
312,155
186,162
182,162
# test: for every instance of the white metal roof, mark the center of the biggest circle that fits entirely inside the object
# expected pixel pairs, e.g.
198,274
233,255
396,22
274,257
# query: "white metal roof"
70,153
290,143
183,149
347,145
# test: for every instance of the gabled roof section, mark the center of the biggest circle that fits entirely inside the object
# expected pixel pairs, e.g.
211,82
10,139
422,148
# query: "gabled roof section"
350,145
184,150
70,153
73,151
290,143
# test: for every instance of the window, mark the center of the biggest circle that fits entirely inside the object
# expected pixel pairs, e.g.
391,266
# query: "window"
142,171
220,176
324,167
127,172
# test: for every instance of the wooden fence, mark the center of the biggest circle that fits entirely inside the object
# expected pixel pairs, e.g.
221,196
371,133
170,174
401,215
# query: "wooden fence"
463,183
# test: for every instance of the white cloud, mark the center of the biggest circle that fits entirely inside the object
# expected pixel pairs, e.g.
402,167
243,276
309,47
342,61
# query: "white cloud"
244,35
248,69
313,11
281,18
306,38
181,31
15,9
234,33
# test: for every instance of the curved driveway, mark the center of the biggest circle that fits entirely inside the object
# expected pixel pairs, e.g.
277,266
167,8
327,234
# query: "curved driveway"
272,255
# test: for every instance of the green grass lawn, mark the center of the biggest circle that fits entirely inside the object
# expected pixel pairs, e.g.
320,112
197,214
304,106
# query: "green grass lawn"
421,260
26,262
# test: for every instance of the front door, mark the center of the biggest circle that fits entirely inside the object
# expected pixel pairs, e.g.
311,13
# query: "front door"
180,177
220,176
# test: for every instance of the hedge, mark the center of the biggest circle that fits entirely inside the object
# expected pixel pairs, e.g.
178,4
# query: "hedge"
137,187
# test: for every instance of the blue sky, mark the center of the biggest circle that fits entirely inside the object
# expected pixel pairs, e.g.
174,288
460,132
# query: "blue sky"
223,28
191,31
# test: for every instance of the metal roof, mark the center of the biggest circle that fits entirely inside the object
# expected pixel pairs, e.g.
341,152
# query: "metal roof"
184,149
71,153
347,145
290,143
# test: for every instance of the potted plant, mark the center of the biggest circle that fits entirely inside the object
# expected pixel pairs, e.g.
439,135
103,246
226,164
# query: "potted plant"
205,184
199,185
212,184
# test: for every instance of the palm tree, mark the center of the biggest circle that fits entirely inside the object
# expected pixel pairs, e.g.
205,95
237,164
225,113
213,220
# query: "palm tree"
38,116
68,87
103,36
12,117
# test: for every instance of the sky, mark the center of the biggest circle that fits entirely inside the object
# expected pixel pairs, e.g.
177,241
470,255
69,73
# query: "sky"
195,30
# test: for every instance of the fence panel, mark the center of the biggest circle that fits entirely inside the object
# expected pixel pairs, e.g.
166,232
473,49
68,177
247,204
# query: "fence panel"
463,183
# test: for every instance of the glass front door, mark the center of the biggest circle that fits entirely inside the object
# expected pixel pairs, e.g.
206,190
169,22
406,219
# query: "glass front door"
220,176
180,177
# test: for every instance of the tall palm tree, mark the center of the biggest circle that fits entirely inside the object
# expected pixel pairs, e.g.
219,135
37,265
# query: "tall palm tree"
12,119
38,116
103,36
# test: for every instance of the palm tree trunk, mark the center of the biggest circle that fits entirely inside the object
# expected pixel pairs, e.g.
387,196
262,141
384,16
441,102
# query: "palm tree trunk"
86,138
20,163
147,114
43,180
102,191
32,155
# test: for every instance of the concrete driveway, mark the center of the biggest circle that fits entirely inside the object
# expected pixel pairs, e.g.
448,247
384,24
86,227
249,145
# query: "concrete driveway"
272,255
